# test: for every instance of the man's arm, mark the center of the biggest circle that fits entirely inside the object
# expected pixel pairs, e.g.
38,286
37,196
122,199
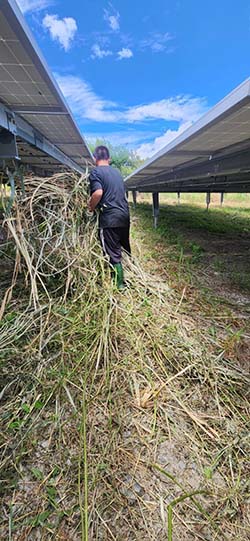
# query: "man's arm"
95,199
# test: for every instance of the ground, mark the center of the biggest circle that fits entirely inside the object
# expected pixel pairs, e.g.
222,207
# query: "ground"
207,253
162,417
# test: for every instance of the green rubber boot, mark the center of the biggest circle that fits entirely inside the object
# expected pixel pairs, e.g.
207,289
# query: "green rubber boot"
118,276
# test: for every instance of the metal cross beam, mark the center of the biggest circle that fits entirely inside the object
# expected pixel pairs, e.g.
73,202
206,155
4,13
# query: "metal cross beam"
38,110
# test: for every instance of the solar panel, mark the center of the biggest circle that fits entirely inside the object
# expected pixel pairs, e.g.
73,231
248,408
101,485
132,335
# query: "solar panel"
29,91
211,154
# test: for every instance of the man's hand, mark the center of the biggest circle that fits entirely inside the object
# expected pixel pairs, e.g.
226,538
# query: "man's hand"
94,200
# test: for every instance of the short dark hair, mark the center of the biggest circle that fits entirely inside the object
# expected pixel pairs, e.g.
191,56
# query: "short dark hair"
101,153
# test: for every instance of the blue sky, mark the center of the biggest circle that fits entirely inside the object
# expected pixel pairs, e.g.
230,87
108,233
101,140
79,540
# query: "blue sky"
139,73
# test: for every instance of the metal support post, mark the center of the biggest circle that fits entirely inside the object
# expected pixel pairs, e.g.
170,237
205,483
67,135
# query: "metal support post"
179,197
134,193
8,146
221,198
11,177
208,199
156,209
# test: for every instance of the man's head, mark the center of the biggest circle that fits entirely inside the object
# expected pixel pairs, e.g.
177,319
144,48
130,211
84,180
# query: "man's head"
101,155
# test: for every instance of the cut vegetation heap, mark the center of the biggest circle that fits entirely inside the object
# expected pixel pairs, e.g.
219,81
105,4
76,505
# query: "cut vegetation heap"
118,420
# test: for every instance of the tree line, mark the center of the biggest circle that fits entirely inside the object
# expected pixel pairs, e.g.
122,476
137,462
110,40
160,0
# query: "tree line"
123,158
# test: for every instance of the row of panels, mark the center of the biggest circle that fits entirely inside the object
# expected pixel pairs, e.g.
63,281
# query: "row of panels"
216,146
29,91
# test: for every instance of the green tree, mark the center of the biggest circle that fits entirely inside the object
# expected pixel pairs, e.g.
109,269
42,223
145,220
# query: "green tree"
123,158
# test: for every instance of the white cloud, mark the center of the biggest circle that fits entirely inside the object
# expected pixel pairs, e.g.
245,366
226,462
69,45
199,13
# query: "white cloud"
114,22
83,100
179,108
97,52
131,138
124,53
33,5
157,42
62,30
112,19
146,150
89,106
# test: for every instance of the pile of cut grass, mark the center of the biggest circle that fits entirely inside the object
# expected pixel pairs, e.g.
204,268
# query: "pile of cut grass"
119,419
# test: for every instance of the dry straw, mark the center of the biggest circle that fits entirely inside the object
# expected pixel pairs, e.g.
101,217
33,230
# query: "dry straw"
117,420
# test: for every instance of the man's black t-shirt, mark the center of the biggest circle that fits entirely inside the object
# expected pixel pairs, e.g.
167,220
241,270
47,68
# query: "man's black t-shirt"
114,209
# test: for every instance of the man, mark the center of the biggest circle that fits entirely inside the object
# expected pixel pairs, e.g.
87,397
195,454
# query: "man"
108,195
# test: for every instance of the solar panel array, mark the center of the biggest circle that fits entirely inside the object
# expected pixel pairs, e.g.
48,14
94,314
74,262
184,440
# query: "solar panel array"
29,90
212,155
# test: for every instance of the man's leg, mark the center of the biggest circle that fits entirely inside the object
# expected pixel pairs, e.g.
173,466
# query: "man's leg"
124,238
111,244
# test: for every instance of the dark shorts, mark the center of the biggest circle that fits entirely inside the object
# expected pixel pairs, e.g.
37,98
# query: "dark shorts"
113,239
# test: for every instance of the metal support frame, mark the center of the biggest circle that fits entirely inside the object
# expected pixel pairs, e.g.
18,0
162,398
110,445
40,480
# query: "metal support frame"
208,199
134,194
209,174
19,127
156,209
235,182
179,197
221,198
